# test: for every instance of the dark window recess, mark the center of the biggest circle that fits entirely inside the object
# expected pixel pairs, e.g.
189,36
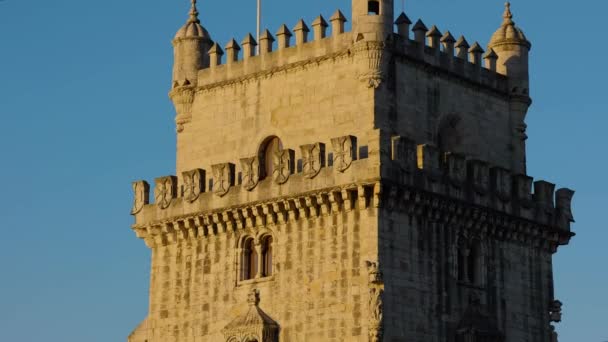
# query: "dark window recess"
210,184
239,178
300,165
373,7
363,152
330,159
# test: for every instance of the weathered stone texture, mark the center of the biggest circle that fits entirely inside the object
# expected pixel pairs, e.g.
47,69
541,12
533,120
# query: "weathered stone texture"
362,186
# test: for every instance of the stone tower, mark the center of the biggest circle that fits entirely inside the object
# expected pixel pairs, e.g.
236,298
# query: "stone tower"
351,186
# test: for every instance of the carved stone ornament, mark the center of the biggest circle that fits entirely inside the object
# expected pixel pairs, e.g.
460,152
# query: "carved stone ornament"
165,191
375,275
251,172
456,168
253,325
404,152
369,57
223,178
141,196
479,176
523,188
313,159
344,151
283,161
563,198
376,307
555,311
194,184
501,183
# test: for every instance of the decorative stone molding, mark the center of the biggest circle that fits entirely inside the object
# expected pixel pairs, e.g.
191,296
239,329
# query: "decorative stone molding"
344,152
313,159
194,184
283,161
141,196
165,191
250,172
223,178
253,325
376,302
182,98
369,55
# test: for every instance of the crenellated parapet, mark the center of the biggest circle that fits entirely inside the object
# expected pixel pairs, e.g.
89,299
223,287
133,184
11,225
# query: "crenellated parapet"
412,178
287,47
447,54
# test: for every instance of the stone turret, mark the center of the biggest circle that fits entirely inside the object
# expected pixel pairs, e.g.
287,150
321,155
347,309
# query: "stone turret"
190,49
512,48
190,45
372,19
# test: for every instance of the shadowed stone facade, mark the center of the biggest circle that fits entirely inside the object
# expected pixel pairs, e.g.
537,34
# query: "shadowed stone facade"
351,186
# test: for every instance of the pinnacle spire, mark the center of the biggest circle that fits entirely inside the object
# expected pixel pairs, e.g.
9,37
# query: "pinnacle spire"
508,15
193,13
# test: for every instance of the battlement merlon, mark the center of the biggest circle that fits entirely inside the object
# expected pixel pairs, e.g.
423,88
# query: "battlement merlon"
406,176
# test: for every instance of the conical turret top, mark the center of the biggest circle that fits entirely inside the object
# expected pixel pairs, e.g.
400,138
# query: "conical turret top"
508,33
193,28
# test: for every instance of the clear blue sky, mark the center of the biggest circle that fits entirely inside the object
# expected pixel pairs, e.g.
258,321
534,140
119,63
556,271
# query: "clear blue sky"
84,111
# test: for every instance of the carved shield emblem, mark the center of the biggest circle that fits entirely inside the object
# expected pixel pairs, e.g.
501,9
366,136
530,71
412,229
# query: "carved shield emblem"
313,159
223,178
251,172
344,152
165,191
194,184
456,168
283,165
479,176
404,152
141,196
501,179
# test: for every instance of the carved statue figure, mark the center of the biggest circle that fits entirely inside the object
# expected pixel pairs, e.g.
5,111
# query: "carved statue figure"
555,311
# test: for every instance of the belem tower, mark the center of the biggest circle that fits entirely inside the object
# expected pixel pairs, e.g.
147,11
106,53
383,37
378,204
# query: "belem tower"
365,185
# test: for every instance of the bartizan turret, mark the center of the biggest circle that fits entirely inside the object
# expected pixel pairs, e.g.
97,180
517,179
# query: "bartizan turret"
372,19
512,48
372,27
190,48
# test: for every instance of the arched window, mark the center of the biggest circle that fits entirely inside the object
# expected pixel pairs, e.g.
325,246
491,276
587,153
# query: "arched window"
373,7
249,260
267,152
267,256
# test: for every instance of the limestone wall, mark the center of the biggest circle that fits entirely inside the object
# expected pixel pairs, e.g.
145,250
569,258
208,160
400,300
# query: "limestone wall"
318,291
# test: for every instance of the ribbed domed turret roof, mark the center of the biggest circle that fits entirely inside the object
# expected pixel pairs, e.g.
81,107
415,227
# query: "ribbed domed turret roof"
193,27
508,32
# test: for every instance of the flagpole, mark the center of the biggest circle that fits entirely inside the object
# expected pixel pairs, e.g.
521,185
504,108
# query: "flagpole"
259,23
